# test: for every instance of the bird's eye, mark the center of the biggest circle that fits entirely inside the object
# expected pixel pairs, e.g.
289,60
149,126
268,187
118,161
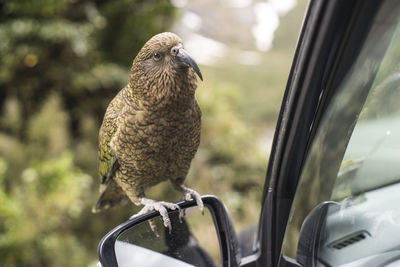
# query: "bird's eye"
156,56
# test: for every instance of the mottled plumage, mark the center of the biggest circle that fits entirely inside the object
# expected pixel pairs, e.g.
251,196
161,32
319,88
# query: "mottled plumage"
151,129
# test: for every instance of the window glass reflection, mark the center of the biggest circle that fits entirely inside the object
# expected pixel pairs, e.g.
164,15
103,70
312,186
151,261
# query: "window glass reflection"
192,242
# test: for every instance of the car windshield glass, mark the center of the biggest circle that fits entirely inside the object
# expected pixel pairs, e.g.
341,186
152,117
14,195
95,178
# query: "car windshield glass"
373,149
346,198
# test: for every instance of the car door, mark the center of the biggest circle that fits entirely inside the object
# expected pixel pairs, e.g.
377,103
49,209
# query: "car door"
323,174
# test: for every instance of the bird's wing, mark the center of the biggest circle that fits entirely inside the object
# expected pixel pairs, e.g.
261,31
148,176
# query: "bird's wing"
106,157
110,193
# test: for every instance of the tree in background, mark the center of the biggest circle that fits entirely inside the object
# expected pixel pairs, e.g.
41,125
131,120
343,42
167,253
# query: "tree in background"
61,62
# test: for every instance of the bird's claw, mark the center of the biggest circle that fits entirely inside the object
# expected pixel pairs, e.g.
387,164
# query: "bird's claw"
190,194
161,207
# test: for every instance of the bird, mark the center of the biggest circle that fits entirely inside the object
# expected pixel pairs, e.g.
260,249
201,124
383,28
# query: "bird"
151,129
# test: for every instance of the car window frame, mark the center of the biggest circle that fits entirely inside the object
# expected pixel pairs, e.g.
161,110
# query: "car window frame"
332,34
346,108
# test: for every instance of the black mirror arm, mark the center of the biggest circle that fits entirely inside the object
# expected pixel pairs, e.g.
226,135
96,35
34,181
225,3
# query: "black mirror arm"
227,235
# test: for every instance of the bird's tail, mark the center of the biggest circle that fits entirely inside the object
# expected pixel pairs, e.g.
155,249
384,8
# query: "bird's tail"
110,194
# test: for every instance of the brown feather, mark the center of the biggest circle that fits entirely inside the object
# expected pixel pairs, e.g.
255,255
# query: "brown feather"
152,127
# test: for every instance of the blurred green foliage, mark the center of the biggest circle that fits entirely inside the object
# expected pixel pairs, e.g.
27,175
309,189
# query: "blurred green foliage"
61,63
35,216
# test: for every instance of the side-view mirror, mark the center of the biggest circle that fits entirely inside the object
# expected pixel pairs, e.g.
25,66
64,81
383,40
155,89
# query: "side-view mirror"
195,240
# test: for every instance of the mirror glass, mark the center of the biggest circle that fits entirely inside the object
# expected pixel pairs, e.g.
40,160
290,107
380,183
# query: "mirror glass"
193,241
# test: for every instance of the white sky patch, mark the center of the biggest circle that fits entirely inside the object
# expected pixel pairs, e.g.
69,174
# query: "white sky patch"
179,3
262,20
192,21
267,17
267,22
204,50
238,3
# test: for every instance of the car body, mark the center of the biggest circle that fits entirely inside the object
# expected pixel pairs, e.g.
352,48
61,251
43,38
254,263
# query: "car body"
330,195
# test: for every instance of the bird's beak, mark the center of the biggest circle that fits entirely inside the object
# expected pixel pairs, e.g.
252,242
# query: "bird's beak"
184,57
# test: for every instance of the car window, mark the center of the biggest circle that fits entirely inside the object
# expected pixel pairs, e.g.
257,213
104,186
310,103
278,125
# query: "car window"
345,211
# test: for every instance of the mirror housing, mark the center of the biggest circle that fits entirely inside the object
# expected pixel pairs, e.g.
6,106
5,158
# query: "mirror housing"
228,241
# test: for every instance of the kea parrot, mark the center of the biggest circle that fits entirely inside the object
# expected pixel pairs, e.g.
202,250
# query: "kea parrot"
151,129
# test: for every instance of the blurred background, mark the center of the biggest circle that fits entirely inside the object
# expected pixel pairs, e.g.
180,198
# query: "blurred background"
61,63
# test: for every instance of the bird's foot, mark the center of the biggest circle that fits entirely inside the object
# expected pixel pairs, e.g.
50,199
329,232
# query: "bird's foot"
189,194
161,207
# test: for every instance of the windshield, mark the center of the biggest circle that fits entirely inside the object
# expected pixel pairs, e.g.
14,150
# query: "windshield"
372,156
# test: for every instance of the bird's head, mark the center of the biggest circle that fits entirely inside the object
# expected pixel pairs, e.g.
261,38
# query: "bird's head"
163,63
